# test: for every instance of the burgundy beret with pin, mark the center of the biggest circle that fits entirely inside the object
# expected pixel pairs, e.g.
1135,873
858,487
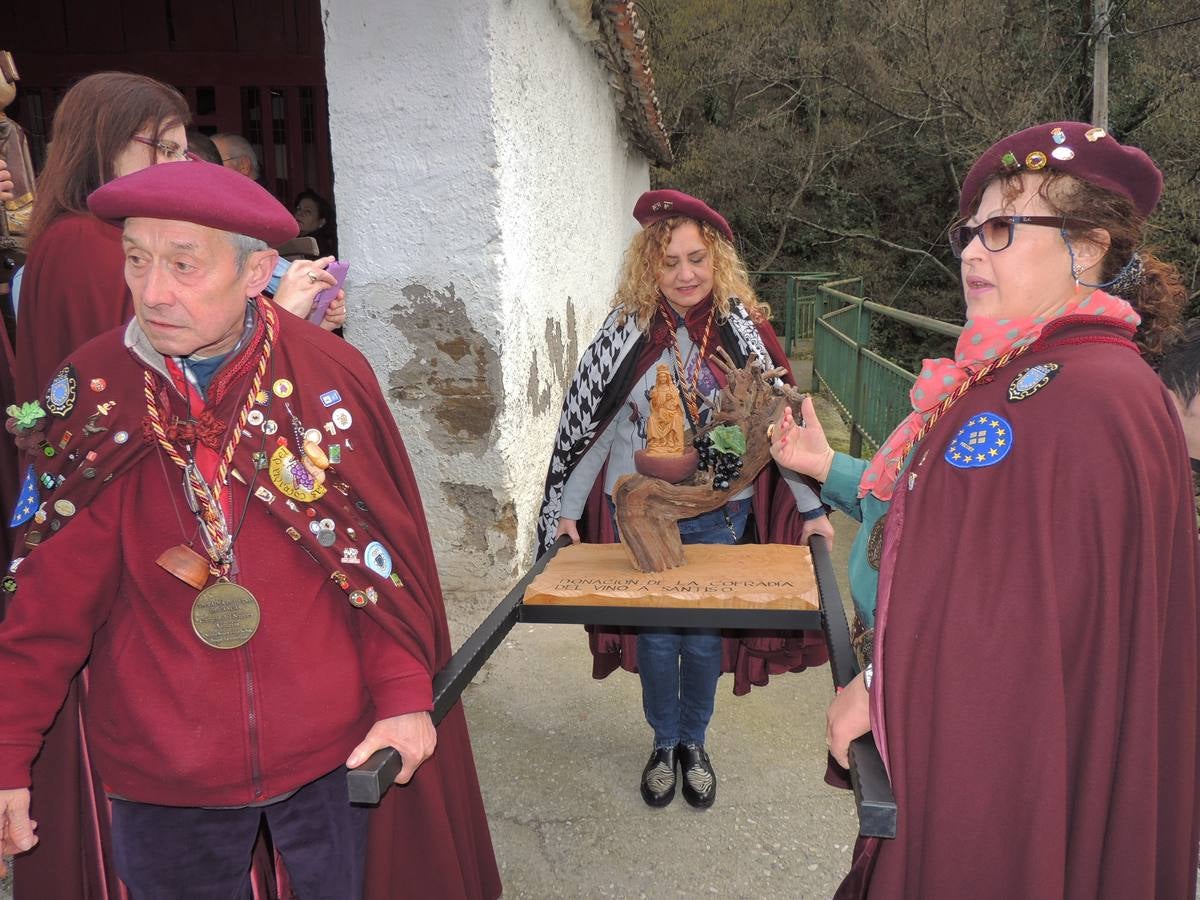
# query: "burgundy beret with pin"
1075,148
198,192
654,206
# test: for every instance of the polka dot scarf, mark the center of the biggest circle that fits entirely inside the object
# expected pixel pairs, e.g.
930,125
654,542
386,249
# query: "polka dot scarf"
981,341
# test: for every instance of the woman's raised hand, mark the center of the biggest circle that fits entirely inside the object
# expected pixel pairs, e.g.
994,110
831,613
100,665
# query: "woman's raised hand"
802,448
300,284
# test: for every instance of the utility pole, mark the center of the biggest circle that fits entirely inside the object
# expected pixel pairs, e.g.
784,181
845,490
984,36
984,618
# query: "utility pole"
1100,25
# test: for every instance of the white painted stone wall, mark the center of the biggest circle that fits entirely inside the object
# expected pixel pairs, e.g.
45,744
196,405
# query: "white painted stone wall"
483,185
568,181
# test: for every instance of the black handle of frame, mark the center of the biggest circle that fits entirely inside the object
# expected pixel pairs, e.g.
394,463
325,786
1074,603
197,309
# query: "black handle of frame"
370,781
873,797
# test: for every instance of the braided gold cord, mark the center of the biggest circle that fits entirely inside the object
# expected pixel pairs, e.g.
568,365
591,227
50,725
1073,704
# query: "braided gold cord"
204,492
689,384
944,406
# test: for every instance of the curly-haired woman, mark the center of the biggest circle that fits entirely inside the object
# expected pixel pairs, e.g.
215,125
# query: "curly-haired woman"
683,294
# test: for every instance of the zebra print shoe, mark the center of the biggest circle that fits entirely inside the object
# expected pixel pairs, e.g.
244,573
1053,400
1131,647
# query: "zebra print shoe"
658,778
699,779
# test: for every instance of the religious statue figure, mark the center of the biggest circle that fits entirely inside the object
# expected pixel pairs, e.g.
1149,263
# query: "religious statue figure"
14,149
664,430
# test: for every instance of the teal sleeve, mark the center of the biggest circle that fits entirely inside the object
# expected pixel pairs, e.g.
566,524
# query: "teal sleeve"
841,486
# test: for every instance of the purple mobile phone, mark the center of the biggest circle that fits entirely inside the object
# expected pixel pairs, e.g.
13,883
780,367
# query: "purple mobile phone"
321,302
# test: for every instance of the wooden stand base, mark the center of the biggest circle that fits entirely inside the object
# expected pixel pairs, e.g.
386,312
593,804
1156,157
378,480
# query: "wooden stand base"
716,576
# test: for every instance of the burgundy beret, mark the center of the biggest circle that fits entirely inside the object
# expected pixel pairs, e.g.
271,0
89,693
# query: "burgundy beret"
199,192
654,206
1076,148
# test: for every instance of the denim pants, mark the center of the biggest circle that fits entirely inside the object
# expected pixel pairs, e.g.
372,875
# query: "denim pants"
679,667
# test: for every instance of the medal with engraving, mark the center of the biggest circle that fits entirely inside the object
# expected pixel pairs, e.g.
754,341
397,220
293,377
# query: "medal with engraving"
225,615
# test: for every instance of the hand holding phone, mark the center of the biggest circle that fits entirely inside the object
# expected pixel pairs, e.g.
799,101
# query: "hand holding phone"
338,270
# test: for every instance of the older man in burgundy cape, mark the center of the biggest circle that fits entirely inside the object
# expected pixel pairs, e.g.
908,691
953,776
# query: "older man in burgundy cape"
218,508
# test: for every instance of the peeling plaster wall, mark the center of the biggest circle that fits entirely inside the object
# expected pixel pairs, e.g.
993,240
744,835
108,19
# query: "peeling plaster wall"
568,179
483,189
418,213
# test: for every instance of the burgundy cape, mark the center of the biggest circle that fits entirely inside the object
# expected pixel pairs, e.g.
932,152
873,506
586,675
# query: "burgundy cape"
431,836
73,289
752,656
8,451
1036,648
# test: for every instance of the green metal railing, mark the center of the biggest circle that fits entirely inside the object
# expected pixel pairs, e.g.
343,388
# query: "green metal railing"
871,392
799,301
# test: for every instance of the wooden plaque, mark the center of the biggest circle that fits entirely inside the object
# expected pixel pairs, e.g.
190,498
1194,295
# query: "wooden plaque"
716,576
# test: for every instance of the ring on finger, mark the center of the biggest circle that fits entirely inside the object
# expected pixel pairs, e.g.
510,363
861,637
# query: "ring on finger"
312,277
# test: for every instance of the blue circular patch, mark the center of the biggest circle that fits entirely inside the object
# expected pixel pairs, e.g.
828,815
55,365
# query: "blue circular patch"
983,441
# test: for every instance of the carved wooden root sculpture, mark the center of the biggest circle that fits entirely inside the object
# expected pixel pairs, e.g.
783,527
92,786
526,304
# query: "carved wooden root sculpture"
649,508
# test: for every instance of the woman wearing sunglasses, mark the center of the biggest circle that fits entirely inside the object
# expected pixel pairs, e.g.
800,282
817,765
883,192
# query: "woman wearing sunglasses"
1034,683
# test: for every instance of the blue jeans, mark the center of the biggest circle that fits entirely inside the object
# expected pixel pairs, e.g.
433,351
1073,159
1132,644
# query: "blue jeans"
679,667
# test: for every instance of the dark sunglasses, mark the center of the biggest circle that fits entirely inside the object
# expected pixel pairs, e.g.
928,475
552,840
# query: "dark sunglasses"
996,233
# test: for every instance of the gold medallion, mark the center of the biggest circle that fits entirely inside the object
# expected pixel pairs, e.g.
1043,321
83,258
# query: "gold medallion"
225,615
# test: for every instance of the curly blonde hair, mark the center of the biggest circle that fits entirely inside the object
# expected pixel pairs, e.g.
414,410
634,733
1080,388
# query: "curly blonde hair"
638,293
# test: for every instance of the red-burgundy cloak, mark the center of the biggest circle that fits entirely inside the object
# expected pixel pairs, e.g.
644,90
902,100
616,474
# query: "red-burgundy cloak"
430,836
73,289
8,450
1036,670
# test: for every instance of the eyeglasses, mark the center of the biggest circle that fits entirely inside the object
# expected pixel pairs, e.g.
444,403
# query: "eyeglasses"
169,149
996,233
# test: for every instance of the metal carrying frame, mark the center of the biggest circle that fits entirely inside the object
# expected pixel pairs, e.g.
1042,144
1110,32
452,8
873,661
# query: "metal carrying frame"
873,797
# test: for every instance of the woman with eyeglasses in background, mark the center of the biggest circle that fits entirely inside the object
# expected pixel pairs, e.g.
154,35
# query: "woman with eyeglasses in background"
1031,530
73,288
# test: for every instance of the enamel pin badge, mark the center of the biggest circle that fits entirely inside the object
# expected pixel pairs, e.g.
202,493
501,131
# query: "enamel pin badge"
1032,380
60,396
378,559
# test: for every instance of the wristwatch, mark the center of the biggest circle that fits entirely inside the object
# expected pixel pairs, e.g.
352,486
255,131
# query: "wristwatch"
868,674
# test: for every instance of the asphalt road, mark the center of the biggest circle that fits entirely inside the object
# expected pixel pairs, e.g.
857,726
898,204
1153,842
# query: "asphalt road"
560,756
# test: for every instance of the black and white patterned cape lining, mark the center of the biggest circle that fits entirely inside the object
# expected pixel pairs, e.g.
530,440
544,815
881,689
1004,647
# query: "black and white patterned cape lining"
585,411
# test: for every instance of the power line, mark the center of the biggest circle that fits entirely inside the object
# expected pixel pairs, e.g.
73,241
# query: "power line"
1117,9
1128,33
